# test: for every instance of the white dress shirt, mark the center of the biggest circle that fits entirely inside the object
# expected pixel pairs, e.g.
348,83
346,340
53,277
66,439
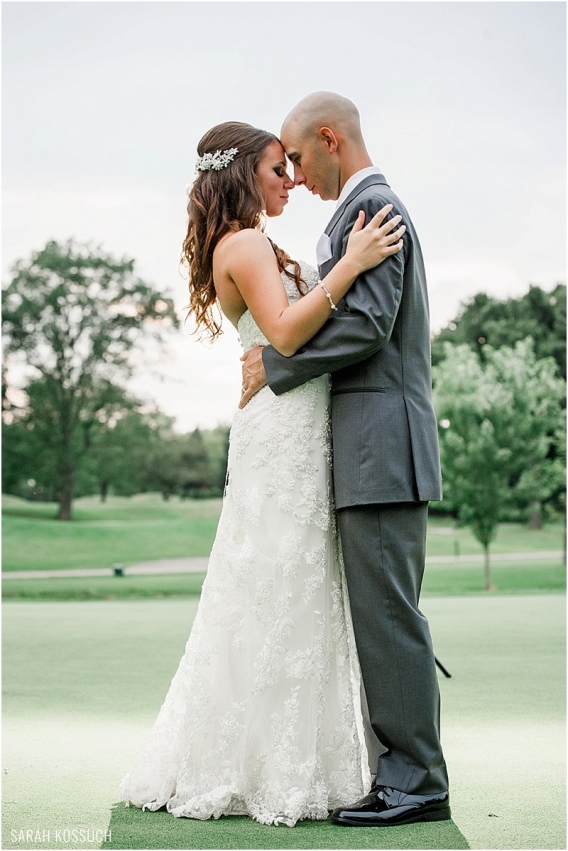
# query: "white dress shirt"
354,181
323,247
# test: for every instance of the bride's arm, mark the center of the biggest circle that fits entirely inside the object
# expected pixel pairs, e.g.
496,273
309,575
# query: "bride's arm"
252,266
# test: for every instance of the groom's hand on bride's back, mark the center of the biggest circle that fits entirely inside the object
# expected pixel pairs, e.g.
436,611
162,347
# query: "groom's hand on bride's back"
254,376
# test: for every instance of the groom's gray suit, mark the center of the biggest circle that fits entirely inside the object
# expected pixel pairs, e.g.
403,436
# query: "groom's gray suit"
386,468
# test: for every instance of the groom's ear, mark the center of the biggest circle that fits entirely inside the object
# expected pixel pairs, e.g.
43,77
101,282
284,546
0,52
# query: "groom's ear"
328,137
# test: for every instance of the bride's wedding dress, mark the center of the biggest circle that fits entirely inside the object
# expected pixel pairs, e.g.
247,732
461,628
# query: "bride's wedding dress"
262,717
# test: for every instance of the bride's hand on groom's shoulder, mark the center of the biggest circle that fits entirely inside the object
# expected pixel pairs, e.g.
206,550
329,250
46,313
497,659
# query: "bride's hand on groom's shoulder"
254,376
371,244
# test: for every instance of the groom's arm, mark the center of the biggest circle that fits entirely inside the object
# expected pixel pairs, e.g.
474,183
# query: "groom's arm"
360,328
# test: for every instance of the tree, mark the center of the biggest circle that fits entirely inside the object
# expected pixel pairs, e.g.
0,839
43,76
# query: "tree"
72,316
485,320
196,473
500,425
163,470
181,465
22,475
217,444
122,449
112,454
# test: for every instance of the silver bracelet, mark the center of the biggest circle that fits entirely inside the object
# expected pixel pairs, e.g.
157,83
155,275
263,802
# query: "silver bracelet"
328,294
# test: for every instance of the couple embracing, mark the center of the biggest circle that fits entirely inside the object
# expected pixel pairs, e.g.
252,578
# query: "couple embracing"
308,682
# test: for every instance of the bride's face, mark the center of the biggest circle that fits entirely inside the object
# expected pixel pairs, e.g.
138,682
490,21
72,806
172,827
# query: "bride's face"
275,183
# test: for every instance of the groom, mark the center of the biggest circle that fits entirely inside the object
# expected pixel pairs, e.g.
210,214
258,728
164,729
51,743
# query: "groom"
385,458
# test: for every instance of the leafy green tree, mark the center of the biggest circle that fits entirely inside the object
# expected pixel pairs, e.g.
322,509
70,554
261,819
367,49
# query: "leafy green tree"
22,475
217,443
488,321
501,425
31,442
163,470
72,316
180,465
197,474
121,451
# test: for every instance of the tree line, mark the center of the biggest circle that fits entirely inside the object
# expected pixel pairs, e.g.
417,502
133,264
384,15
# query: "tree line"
135,453
74,318
499,382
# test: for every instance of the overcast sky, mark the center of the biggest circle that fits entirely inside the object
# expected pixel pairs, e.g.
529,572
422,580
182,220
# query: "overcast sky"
462,103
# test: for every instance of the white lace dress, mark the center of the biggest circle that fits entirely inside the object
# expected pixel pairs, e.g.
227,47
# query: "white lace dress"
262,717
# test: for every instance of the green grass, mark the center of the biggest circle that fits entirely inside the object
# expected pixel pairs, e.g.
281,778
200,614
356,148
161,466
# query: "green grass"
510,578
510,538
83,685
104,588
234,832
124,529
145,527
522,577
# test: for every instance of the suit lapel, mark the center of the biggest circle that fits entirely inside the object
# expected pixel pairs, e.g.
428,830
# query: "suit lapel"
326,267
368,181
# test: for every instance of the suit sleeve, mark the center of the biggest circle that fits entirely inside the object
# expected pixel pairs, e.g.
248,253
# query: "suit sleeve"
362,325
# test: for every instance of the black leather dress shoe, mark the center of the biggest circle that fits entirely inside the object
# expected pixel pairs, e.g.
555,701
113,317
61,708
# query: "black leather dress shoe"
388,807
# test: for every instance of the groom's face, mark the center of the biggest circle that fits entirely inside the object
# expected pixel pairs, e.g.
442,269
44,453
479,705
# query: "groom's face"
313,163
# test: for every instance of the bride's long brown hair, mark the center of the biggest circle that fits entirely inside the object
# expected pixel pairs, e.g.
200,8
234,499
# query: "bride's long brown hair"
218,200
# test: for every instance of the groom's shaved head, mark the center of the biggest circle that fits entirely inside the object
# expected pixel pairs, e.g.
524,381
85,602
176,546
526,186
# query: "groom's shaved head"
324,109
322,138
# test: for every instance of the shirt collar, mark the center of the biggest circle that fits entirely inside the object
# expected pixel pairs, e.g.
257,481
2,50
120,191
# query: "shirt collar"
354,181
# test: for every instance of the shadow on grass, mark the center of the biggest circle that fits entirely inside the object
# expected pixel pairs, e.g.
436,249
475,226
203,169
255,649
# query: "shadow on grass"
131,828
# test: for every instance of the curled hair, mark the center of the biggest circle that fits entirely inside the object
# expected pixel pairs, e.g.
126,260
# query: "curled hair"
217,201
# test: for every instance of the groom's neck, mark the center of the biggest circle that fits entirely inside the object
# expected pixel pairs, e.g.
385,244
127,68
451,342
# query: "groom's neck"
353,156
351,162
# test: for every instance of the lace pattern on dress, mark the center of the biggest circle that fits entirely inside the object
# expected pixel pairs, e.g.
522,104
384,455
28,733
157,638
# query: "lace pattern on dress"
272,642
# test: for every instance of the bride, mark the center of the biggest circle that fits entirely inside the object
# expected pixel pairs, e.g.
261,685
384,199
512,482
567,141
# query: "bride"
262,717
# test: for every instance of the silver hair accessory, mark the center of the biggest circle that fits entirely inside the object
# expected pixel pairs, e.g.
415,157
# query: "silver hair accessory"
216,161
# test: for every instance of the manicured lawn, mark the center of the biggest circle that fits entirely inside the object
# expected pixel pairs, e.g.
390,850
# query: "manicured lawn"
83,682
511,577
104,588
126,530
511,538
145,527
508,577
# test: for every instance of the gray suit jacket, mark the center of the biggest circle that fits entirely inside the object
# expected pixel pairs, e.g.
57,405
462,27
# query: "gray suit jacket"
377,349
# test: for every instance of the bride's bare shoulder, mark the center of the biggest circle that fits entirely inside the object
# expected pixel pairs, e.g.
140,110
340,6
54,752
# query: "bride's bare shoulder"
243,240
244,250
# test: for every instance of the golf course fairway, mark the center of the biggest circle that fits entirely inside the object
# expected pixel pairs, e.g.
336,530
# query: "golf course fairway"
83,683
